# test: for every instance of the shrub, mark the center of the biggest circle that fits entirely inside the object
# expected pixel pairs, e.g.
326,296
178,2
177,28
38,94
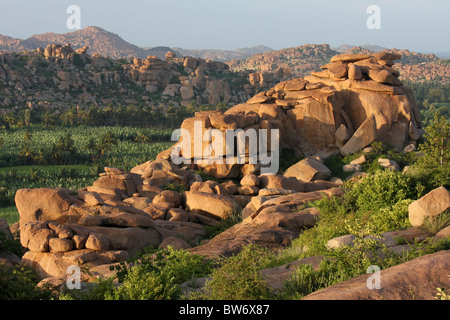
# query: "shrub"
434,225
19,283
238,278
381,190
436,149
375,204
153,275
348,262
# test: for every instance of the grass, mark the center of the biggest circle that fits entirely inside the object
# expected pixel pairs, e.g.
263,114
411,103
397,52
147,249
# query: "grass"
10,214
27,169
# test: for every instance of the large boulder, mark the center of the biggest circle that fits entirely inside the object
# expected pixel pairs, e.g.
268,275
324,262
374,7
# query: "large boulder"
45,204
308,170
429,206
213,205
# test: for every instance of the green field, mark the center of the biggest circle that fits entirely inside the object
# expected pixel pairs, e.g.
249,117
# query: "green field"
10,214
30,168
28,160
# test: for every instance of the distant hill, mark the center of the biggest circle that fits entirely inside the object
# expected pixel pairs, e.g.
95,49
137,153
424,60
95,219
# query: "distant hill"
303,60
223,55
300,60
372,47
98,40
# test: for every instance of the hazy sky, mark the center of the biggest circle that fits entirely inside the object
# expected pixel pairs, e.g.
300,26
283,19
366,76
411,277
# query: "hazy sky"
419,25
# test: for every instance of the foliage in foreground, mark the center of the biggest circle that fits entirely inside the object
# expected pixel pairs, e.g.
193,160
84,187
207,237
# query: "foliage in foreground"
20,283
154,275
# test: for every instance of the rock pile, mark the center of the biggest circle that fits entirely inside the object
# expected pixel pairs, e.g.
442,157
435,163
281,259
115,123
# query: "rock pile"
122,213
357,99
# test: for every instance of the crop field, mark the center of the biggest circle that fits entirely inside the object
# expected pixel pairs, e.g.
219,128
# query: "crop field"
70,157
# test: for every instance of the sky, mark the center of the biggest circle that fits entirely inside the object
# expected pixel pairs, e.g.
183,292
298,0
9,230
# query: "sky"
417,25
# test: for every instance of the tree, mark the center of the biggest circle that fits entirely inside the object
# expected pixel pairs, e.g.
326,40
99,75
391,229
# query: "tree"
9,119
143,137
436,149
48,118
64,151
26,153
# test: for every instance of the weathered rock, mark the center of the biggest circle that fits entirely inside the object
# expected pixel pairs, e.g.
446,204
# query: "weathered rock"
388,164
60,245
139,202
97,242
168,196
49,264
44,205
175,243
354,72
214,205
429,206
250,180
346,240
276,277
308,170
120,219
360,160
443,233
364,135
35,235
177,214
348,57
90,198
130,239
352,168
293,201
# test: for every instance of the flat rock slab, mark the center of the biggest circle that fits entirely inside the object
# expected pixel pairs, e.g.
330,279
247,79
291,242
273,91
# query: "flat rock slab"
413,280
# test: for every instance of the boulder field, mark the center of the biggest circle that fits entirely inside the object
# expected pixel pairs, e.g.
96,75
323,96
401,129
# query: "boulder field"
355,100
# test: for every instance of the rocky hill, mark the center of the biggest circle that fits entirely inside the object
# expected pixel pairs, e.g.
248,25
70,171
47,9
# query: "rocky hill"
99,41
59,76
224,55
308,58
299,61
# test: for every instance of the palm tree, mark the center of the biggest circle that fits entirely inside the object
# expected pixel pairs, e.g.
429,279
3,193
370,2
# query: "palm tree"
48,118
26,153
27,136
9,119
143,136
69,116
39,157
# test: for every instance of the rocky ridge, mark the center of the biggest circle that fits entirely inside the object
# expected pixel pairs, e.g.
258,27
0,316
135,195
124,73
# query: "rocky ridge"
302,60
56,76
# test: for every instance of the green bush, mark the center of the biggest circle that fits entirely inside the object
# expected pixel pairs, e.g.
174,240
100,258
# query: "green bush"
153,275
237,277
19,283
375,204
348,262
382,189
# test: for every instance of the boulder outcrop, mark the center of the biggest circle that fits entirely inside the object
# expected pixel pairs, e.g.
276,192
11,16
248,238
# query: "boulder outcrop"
357,99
